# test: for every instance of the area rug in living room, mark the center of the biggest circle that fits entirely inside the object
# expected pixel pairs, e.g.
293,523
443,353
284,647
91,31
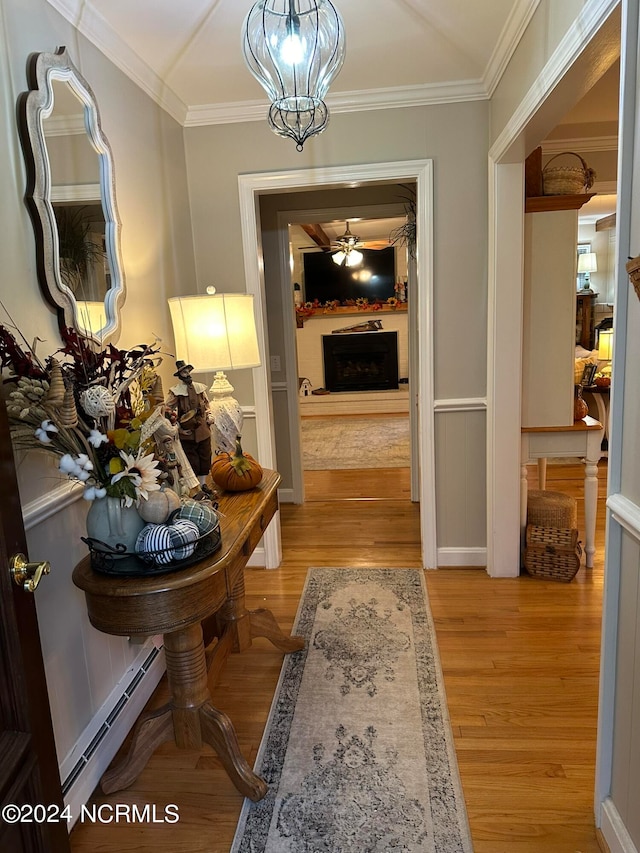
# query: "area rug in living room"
355,441
357,750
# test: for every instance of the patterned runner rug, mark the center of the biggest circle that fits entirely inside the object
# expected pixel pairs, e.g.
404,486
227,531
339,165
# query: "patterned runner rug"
357,751
355,442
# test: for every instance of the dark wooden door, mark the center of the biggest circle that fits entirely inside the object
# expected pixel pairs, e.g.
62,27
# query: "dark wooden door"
28,765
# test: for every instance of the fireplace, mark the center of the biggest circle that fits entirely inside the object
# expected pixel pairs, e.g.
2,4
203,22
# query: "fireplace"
363,361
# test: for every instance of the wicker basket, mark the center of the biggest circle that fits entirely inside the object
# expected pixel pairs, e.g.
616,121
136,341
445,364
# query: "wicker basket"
551,509
633,271
567,180
552,553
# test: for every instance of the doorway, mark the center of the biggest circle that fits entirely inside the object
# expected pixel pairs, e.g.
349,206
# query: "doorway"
351,342
255,189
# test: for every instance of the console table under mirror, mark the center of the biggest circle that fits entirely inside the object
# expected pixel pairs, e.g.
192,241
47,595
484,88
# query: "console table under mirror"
70,195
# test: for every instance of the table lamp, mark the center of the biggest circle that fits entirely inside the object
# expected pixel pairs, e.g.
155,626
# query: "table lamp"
605,344
587,263
217,333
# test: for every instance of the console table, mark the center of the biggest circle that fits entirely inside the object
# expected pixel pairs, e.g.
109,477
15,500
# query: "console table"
582,439
175,605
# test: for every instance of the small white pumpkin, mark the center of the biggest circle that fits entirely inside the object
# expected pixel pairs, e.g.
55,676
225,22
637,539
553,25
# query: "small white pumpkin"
157,508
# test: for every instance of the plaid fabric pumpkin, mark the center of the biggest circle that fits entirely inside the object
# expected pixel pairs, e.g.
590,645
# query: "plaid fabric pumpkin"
154,544
203,515
184,536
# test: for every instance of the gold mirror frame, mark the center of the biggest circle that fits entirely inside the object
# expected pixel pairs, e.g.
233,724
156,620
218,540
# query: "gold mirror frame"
34,107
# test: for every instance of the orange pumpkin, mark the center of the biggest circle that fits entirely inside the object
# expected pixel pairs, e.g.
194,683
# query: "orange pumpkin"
237,472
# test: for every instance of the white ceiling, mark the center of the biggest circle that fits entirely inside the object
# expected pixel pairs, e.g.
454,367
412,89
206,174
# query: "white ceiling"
186,53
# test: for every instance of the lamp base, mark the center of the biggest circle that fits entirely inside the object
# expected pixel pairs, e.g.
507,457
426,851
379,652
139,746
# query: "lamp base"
226,416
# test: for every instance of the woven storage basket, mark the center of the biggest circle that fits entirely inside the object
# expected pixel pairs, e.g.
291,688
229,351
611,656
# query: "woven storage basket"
552,553
633,271
551,509
567,180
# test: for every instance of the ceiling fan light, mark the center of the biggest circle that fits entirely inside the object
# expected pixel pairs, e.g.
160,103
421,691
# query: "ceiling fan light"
294,49
354,258
339,257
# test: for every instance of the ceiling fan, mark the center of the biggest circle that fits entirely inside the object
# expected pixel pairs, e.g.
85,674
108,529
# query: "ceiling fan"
345,248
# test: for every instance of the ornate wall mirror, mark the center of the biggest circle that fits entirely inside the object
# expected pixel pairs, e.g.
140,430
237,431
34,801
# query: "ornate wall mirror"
71,197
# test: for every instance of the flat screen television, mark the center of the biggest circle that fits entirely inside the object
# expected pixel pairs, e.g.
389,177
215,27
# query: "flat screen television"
373,279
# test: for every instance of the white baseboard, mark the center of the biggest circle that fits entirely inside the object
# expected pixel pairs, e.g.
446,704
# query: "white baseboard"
81,769
614,831
462,557
258,558
285,496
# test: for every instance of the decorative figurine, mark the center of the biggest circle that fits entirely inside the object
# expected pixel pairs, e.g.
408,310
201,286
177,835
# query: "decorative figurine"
161,426
189,401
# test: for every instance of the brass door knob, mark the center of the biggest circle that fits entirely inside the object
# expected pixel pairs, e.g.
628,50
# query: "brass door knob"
26,574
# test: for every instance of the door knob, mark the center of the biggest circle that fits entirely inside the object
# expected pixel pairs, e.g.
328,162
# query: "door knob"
26,574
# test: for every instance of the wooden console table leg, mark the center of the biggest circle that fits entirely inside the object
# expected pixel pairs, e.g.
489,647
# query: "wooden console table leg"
187,677
590,509
219,733
542,473
247,624
153,729
263,624
194,718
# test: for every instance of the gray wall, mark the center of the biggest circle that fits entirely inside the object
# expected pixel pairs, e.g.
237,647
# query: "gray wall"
455,136
83,666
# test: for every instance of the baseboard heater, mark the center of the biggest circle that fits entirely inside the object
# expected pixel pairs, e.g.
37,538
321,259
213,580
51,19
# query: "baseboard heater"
118,709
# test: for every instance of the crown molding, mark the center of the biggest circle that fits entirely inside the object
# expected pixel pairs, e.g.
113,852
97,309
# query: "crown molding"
346,102
69,125
513,30
84,17
582,144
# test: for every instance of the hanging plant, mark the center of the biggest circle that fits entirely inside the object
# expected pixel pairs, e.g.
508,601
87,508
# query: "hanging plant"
405,234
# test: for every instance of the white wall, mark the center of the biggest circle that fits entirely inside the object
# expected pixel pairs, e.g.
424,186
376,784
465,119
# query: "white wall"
309,340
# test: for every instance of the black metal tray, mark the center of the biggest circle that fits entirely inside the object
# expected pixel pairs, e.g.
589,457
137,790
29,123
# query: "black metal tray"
110,561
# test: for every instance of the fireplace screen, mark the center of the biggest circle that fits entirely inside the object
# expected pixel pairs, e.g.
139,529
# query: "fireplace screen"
363,361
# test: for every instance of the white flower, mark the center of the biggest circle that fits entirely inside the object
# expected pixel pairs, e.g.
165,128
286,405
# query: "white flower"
84,462
45,430
91,493
96,438
143,473
67,464
80,467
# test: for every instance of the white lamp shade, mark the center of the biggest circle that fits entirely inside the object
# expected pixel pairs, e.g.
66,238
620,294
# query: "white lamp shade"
587,262
215,332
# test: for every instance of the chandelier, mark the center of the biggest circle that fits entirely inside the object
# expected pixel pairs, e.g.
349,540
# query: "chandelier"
294,49
347,253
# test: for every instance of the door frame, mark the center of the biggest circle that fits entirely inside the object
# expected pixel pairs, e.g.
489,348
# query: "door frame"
569,72
250,187
346,213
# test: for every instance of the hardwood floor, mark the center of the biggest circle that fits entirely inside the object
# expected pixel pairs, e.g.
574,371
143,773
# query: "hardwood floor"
520,659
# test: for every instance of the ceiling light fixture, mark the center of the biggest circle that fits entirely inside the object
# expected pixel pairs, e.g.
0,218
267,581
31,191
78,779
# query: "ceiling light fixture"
347,253
294,49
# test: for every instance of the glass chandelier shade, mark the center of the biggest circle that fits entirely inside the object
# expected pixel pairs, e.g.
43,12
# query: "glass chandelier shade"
294,49
347,254
350,258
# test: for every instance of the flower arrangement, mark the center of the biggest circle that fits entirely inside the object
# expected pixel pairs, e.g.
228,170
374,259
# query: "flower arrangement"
86,407
308,309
